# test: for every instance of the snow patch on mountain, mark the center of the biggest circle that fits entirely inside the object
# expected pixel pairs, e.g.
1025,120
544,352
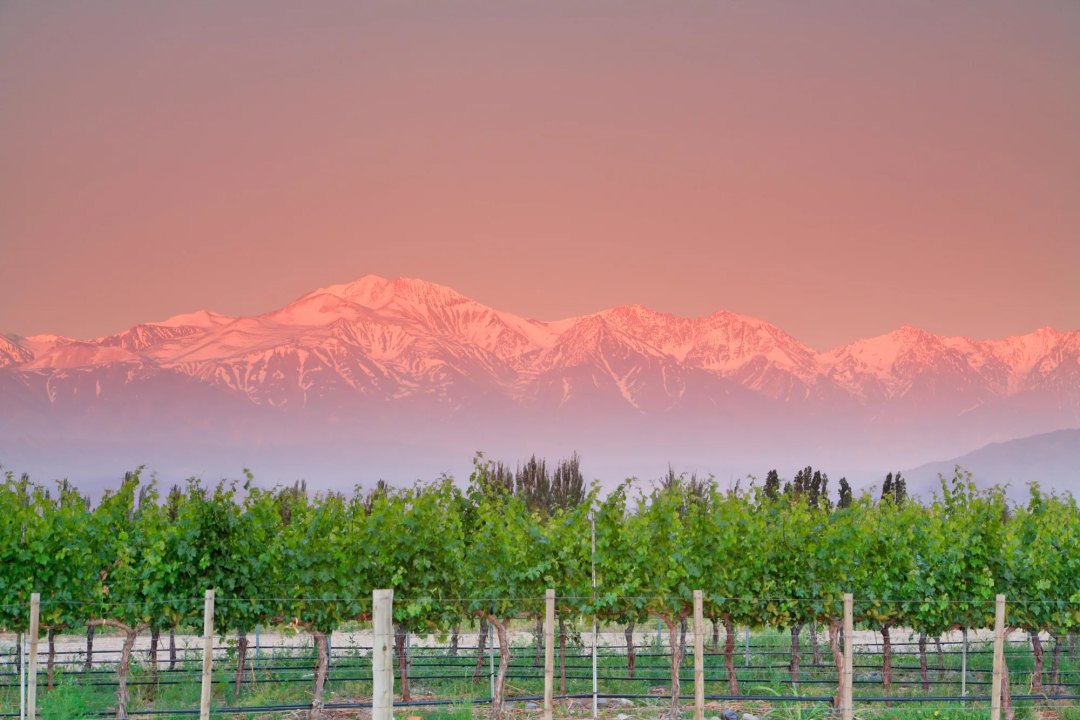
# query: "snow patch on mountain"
11,352
38,344
83,354
197,319
377,293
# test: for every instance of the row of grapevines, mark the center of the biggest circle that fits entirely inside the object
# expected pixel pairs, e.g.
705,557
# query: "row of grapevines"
138,562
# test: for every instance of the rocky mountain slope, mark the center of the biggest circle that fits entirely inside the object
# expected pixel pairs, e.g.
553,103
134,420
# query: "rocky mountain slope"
409,356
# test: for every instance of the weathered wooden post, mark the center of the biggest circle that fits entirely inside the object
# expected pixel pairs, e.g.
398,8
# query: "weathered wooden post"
999,655
208,656
549,656
31,688
846,701
382,655
699,658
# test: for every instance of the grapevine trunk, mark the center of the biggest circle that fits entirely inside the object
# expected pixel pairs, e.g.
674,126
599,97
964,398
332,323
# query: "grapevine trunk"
498,699
729,656
52,658
794,664
322,645
1037,651
155,636
676,660
403,664
838,656
922,662
886,671
89,648
172,648
241,658
130,635
481,644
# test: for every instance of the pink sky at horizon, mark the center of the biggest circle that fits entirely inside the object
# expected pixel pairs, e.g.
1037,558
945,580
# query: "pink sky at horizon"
837,171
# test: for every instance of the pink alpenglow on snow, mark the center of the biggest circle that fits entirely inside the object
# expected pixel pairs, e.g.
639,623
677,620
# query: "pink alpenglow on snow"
405,358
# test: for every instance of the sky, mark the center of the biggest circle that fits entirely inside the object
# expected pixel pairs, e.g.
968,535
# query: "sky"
835,168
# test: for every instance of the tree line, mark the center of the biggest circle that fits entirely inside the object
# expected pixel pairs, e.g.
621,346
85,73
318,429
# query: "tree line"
771,555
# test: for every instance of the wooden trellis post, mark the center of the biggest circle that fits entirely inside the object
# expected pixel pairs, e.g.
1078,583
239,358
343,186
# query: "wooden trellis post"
699,658
999,655
208,656
846,700
31,688
549,656
382,655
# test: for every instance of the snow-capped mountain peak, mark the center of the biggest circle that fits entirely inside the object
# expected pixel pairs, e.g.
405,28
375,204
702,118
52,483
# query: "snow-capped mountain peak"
727,340
1021,352
383,339
197,319
878,355
667,333
377,293
37,344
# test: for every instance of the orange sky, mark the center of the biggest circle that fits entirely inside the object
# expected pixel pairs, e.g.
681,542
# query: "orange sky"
837,171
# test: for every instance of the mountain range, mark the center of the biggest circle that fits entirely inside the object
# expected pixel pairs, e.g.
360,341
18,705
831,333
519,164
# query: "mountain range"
1051,459
408,368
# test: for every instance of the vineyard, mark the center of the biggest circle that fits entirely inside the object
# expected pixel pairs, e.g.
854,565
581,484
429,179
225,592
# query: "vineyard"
470,569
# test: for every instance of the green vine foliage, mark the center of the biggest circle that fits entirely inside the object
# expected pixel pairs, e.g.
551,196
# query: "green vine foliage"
454,554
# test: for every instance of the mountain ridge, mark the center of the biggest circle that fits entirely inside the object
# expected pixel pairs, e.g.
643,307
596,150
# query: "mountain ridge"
1052,459
377,359
416,325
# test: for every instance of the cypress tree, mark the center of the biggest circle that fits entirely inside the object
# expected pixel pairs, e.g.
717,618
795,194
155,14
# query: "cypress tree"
823,490
813,494
887,491
845,494
772,485
533,485
568,484
899,489
803,479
